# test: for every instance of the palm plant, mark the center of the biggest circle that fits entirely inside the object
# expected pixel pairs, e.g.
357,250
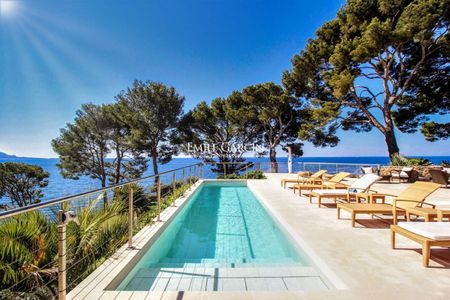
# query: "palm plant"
27,253
99,232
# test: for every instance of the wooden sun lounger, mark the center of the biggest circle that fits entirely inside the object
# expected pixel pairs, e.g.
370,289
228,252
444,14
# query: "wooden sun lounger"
428,213
443,214
333,183
411,197
359,186
315,178
362,208
325,185
426,242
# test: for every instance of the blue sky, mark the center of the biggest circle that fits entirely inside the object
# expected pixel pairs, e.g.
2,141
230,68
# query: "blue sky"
57,54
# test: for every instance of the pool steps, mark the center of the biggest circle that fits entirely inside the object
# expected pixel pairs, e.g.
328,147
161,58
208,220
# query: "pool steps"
199,278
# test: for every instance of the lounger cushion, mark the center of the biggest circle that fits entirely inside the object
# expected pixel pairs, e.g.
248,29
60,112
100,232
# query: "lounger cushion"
433,230
367,170
359,185
365,182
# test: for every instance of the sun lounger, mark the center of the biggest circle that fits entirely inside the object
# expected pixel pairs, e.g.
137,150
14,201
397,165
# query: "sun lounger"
427,234
443,213
314,178
412,196
428,213
333,183
360,185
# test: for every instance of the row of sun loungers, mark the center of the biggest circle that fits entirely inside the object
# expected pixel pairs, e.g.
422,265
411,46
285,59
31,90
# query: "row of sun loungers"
410,202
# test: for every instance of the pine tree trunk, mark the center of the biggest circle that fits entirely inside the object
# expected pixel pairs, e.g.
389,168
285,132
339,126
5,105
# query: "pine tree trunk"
117,174
155,165
273,160
391,142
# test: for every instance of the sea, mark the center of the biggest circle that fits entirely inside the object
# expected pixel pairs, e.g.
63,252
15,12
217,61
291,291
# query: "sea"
59,186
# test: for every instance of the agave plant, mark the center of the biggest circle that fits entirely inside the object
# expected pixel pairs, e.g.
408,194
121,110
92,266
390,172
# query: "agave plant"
27,253
100,230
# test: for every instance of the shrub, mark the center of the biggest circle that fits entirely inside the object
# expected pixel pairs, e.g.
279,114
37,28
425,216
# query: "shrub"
406,161
140,198
445,163
256,174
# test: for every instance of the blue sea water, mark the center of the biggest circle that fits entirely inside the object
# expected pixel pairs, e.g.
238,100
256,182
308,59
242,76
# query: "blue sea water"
59,186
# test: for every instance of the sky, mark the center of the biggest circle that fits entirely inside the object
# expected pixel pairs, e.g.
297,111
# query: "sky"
58,54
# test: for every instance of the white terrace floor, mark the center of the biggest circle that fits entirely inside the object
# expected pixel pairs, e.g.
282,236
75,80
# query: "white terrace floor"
358,260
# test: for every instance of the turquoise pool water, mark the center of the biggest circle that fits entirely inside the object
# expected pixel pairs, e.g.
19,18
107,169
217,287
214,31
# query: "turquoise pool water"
222,225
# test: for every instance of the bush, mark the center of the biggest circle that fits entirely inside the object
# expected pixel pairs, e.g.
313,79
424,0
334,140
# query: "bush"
256,174
403,161
445,163
140,198
167,188
419,162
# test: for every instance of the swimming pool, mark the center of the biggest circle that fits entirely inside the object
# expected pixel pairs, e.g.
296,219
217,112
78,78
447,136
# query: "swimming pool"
223,227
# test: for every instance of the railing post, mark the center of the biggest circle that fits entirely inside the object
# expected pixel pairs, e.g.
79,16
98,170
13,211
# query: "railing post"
61,255
183,176
130,218
190,175
224,170
246,171
158,195
174,180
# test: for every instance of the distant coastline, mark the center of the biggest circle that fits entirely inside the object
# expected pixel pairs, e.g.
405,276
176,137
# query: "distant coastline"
59,186
281,158
4,155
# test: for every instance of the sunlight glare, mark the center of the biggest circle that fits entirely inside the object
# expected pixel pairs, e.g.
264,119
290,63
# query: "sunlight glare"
8,7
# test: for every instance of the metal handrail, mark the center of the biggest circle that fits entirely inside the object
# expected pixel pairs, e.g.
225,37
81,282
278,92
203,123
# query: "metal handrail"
340,163
33,207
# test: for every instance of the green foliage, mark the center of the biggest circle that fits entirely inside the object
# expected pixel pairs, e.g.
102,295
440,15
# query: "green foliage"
255,174
168,188
97,131
434,131
445,163
406,161
140,198
146,217
27,252
263,113
277,114
28,256
214,125
83,145
22,183
153,111
420,161
99,233
380,64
